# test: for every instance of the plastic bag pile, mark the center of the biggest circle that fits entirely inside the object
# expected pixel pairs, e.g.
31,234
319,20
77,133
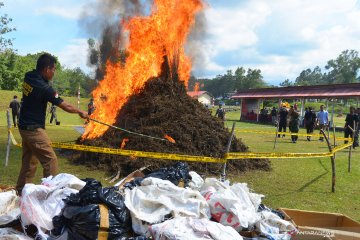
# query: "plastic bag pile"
169,204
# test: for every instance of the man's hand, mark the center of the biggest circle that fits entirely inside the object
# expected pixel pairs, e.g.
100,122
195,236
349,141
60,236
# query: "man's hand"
83,114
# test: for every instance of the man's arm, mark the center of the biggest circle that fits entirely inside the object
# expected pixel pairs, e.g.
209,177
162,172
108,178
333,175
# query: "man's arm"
71,109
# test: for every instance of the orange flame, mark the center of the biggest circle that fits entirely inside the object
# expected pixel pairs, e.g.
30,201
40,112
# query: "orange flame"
197,87
123,143
163,33
169,138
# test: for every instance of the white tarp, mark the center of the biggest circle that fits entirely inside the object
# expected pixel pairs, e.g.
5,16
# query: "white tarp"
40,203
9,207
192,228
12,234
232,205
156,199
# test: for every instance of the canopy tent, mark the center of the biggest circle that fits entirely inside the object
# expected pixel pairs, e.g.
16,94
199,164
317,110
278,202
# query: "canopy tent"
332,91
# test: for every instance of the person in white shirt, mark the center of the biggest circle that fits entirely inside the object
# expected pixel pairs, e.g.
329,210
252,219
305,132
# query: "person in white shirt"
322,120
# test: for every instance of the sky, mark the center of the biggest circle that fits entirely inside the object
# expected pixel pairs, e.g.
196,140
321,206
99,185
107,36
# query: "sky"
279,37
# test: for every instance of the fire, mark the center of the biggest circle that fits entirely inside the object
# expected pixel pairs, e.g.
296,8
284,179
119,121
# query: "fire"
163,33
197,87
123,143
170,139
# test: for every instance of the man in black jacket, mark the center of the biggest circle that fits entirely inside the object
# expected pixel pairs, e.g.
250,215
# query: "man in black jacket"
310,121
15,110
35,142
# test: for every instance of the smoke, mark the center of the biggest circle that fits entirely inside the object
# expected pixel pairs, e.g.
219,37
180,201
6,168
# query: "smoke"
195,45
102,20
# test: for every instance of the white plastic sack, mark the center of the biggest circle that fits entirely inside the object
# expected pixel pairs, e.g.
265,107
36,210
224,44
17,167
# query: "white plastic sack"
273,227
196,181
156,198
232,205
12,234
192,228
63,180
9,207
40,203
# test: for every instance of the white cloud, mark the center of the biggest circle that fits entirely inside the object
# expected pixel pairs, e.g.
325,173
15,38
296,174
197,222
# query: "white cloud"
75,54
70,12
298,34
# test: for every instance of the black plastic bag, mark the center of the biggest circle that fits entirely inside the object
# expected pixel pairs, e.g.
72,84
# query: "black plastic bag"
176,173
82,214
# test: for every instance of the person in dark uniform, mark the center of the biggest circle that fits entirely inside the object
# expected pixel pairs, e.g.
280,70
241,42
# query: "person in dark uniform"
15,110
35,142
351,121
310,121
220,113
53,114
91,107
283,113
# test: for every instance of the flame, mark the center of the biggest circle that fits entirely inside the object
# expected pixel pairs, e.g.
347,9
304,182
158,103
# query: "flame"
169,138
123,143
197,87
162,33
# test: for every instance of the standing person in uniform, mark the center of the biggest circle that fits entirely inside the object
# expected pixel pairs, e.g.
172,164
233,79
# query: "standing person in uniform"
53,114
310,120
283,113
351,121
35,142
273,115
15,110
322,120
220,113
293,123
91,107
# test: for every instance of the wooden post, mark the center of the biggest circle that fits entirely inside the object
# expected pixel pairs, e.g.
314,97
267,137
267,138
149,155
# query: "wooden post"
333,167
223,175
276,133
9,138
350,148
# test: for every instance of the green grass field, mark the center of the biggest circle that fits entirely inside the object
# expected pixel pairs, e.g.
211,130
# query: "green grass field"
292,183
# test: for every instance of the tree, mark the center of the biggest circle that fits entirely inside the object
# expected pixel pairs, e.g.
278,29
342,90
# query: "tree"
4,29
286,83
344,68
310,77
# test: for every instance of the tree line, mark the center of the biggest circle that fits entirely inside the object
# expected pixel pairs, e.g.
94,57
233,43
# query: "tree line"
343,69
66,81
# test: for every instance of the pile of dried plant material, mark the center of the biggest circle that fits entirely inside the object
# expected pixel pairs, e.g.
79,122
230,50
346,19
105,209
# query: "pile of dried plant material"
163,107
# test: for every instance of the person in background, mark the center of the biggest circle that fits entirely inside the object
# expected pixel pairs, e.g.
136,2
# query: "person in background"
220,113
53,114
36,147
91,107
283,113
322,120
309,121
293,123
351,123
273,115
15,110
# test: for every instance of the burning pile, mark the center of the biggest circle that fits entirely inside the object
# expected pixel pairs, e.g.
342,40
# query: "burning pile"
164,108
146,93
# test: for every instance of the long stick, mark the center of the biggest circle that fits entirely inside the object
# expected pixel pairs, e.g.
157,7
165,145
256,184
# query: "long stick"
223,175
333,182
9,138
277,131
122,129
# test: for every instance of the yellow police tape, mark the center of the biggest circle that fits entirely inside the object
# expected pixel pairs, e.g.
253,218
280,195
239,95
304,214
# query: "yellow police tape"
191,158
289,133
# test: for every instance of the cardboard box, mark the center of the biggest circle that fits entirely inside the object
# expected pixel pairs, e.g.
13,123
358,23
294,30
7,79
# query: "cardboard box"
320,225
